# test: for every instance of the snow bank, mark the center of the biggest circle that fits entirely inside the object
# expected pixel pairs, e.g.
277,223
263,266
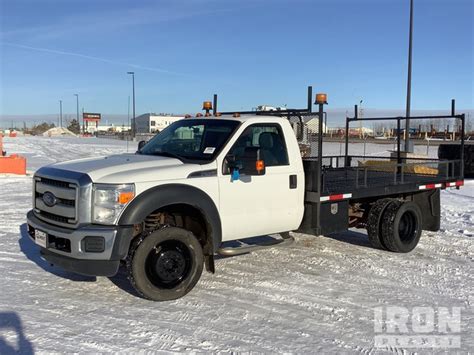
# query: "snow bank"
58,131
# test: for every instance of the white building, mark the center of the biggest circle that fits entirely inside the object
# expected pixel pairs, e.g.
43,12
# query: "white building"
117,128
313,126
151,122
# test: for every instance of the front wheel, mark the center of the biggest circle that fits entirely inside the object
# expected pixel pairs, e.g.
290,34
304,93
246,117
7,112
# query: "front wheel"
166,264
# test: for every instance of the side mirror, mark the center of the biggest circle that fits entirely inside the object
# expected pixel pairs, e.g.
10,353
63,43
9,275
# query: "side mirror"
141,145
252,162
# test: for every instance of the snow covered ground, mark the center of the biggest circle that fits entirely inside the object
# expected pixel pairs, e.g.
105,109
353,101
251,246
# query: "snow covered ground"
317,295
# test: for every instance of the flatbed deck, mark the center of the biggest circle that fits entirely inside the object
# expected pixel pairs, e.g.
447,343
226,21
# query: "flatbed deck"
384,176
375,183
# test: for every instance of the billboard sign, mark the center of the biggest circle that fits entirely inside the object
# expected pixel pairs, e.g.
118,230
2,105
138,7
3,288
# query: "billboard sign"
87,116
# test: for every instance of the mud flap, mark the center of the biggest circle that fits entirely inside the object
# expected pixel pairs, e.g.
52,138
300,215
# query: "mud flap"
209,263
429,203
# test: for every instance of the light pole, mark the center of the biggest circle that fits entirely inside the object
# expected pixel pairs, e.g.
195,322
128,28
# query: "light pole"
408,108
128,113
133,94
77,111
60,113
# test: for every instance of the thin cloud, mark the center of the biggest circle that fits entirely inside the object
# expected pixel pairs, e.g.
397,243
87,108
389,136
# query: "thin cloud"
99,59
105,22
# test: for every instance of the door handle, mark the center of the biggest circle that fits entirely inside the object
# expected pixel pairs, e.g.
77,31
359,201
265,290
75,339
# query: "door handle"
293,182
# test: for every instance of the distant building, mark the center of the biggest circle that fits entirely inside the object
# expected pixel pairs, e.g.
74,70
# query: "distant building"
106,128
113,128
313,126
152,122
270,108
361,132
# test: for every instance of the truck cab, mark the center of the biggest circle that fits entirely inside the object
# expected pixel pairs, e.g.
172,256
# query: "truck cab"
197,184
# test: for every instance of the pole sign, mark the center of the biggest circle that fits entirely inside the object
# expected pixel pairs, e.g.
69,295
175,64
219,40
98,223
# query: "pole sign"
87,116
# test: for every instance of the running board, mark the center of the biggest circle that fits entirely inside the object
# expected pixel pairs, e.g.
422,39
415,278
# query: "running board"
285,240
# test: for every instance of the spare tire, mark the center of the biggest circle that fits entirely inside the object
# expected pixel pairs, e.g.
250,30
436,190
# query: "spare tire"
401,226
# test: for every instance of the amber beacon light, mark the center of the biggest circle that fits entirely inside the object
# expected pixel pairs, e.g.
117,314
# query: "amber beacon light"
207,105
321,99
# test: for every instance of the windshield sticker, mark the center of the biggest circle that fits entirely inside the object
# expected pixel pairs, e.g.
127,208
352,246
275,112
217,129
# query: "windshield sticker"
209,150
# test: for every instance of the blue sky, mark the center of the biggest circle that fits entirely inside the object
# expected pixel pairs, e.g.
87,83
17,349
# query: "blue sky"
249,52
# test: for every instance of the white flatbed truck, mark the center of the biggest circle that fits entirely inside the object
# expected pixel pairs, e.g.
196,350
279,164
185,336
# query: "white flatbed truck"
166,210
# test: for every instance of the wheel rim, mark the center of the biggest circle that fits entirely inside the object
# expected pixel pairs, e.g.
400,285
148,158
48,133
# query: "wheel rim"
408,227
168,264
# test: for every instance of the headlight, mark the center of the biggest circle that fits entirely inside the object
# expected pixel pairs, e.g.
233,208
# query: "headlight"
108,201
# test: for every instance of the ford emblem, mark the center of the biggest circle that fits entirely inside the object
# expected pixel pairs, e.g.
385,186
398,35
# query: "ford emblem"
49,199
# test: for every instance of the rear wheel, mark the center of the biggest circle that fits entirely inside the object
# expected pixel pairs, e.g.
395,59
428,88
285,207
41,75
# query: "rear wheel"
166,264
401,226
374,230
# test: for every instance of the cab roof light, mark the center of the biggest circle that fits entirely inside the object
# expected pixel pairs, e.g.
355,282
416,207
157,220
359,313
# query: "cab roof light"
199,114
207,105
236,114
187,116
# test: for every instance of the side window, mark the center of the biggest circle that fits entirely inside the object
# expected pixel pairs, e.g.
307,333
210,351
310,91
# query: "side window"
269,138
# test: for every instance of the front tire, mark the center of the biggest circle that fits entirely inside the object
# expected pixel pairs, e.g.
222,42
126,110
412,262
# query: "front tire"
166,264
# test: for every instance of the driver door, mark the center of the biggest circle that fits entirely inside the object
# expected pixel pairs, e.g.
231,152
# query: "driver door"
264,204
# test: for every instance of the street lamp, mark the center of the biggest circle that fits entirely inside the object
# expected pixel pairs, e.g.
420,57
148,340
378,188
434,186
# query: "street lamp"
77,111
133,94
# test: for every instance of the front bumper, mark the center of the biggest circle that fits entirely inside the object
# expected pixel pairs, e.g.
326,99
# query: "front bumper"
66,247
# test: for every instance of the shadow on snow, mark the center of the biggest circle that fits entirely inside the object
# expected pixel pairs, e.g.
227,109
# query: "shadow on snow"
31,251
11,322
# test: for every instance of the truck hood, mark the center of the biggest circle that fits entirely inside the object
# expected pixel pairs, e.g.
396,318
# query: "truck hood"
125,168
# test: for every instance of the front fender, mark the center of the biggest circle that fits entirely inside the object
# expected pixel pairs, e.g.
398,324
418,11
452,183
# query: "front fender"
170,194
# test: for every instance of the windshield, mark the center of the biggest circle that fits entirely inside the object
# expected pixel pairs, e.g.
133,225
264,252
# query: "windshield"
191,139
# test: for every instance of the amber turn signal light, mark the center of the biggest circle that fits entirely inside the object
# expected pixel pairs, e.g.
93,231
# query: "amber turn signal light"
125,197
260,165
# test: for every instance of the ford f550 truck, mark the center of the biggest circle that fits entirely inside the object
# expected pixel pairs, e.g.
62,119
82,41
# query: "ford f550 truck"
167,210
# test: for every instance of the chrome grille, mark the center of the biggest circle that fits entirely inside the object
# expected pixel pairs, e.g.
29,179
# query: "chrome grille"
64,210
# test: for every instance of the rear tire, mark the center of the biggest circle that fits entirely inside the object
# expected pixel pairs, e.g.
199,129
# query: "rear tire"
166,264
401,226
374,230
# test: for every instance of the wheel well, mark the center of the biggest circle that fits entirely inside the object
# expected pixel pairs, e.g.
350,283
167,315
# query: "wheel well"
183,216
